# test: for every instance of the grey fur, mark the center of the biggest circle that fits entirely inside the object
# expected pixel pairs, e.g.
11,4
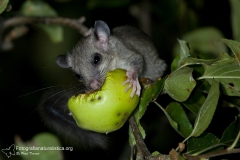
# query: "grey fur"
126,48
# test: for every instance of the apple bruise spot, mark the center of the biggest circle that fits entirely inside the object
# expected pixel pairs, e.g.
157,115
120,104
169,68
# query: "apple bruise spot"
99,98
117,124
92,100
125,116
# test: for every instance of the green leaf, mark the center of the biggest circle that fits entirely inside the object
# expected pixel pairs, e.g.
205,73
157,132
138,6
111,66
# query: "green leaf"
150,92
184,50
174,64
155,153
230,133
3,5
171,121
193,61
194,102
207,110
205,41
157,88
205,87
227,71
42,9
37,8
235,13
197,145
234,46
41,140
180,83
177,113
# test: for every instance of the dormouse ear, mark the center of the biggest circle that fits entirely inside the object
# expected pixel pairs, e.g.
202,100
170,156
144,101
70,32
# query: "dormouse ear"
62,61
102,33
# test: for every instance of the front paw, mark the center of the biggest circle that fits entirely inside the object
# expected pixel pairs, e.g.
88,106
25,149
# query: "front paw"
133,82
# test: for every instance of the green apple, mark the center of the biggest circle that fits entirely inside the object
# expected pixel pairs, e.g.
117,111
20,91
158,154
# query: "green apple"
107,109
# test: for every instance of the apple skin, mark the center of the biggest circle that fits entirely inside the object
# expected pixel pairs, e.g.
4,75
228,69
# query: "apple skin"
107,109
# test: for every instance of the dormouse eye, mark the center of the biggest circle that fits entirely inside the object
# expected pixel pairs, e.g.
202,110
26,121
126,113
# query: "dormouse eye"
96,58
78,76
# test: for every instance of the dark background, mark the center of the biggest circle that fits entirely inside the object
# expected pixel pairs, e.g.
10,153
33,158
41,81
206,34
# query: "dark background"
30,65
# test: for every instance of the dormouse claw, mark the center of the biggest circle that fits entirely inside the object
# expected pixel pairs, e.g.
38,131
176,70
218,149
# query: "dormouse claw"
133,82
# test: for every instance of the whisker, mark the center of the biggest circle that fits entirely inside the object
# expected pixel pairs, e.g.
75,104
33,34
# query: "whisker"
53,96
45,101
41,90
103,70
63,96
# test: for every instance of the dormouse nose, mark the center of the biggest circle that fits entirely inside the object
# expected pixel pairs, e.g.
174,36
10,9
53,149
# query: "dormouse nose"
95,84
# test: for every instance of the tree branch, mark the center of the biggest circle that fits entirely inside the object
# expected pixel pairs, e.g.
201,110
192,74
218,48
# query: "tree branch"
212,154
73,23
21,30
141,146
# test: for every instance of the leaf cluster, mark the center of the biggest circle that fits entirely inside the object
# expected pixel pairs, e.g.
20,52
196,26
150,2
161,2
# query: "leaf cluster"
195,86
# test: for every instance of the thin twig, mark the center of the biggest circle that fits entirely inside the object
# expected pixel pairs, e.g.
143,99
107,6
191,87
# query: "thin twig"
20,22
235,142
212,154
73,23
141,146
